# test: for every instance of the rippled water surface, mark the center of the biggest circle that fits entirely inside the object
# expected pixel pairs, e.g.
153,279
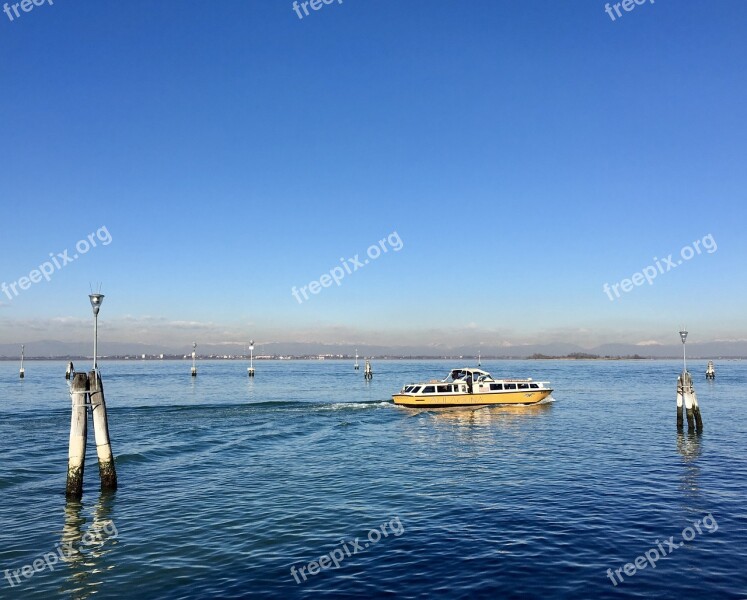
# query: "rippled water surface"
227,482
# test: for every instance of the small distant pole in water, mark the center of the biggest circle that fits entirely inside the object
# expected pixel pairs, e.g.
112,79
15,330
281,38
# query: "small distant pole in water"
356,366
194,358
70,370
686,395
368,372
250,370
22,372
710,371
478,359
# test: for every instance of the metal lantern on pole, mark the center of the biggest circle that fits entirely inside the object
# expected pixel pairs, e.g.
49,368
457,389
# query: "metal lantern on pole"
683,335
96,300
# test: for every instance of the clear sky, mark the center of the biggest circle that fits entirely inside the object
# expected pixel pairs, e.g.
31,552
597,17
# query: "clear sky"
525,153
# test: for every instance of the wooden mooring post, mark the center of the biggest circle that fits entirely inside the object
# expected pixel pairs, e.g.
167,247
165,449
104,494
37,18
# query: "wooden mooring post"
710,370
107,471
686,395
680,404
22,372
87,390
78,434
70,370
368,371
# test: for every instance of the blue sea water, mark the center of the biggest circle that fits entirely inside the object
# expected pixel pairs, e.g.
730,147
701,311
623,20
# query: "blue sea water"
227,482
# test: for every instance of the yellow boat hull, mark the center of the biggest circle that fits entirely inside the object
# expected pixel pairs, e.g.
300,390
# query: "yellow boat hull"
489,399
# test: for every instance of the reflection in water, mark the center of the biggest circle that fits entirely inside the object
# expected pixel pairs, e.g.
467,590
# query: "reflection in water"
85,549
487,415
688,445
476,427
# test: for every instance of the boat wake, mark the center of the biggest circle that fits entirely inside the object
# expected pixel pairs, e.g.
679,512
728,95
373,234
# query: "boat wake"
355,405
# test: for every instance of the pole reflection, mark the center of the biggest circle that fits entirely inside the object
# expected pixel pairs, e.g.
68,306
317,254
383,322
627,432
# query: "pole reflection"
688,445
85,543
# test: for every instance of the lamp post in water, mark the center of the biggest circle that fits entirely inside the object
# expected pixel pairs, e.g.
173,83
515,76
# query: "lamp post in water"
686,397
96,300
250,370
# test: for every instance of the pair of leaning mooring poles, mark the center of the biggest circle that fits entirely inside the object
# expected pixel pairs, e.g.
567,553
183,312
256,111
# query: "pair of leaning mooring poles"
687,399
87,390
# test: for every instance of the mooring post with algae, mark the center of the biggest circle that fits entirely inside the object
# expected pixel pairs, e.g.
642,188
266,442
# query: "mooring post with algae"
368,371
107,470
680,403
78,431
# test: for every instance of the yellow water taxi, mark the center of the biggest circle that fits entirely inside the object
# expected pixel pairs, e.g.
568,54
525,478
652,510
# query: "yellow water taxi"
471,387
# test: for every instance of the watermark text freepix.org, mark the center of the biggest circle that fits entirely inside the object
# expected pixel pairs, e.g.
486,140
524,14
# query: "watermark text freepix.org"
627,6
661,266
96,535
57,262
659,551
26,6
315,5
347,549
351,265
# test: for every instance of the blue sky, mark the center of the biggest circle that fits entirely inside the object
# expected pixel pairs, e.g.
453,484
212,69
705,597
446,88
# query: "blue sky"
526,153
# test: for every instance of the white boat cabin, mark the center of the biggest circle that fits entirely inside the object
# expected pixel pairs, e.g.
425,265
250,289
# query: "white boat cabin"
469,381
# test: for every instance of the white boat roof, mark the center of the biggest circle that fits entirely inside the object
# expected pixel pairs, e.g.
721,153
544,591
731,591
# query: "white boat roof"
479,373
471,370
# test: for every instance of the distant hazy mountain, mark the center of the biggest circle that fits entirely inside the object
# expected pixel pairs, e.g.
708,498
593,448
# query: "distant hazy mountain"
54,348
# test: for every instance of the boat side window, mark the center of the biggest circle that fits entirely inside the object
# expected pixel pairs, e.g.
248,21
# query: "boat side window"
429,389
509,386
496,387
534,386
415,389
442,389
523,386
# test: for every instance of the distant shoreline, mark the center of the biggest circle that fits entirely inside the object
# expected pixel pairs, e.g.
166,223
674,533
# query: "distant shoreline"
360,358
